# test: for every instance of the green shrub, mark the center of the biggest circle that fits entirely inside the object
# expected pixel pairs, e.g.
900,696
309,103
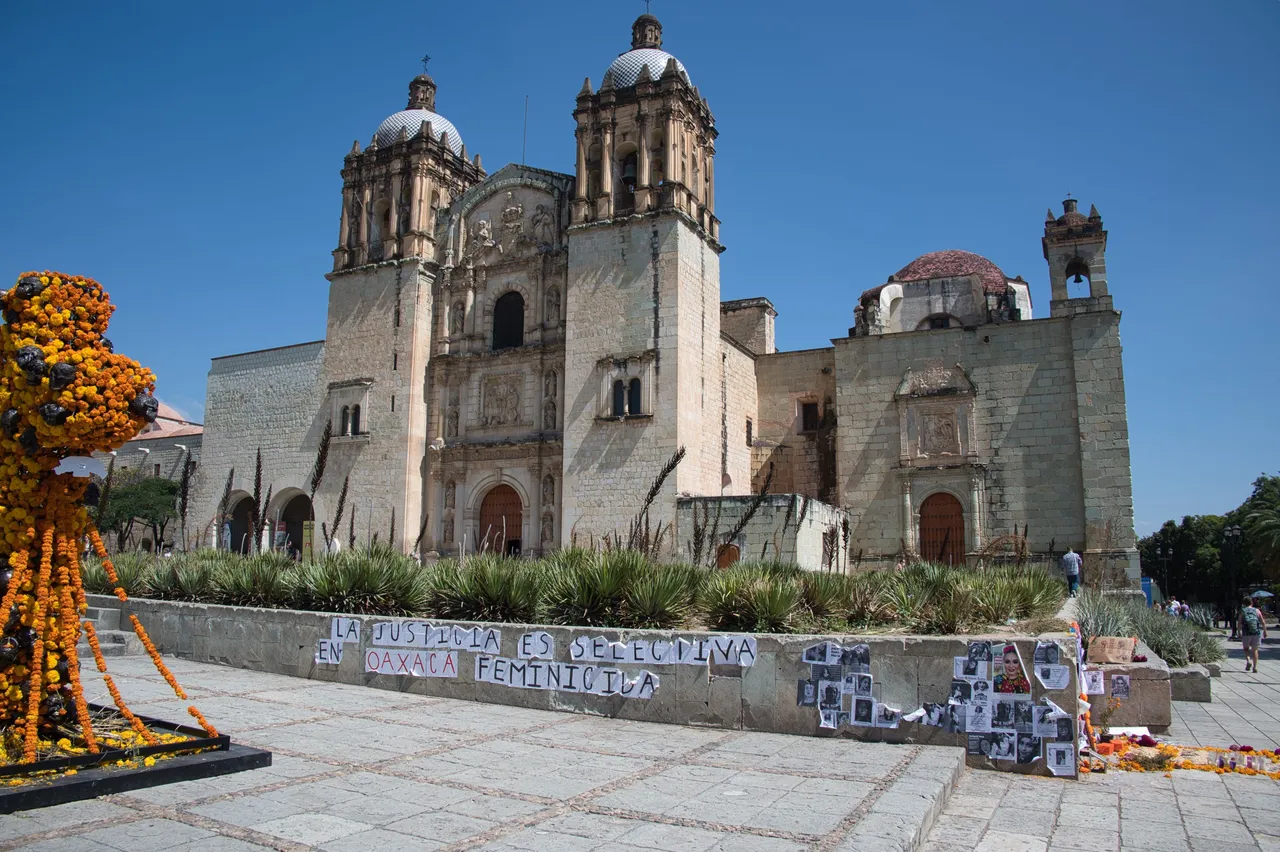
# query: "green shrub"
1205,648
750,597
663,597
182,577
826,595
866,601
370,581
1102,615
264,579
132,569
484,588
591,592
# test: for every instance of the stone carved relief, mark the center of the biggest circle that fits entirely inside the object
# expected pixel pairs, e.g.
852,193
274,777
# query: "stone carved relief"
451,423
548,490
501,401
450,494
447,533
544,226
549,415
481,239
456,316
549,385
548,528
512,224
553,305
353,224
938,434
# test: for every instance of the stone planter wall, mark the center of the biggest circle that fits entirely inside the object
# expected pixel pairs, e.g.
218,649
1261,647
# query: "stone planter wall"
908,671
1148,704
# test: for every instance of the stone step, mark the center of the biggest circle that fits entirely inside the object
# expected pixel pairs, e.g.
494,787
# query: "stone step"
113,643
104,618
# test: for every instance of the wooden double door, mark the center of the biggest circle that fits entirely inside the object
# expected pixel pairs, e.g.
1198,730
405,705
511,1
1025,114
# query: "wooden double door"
942,530
501,520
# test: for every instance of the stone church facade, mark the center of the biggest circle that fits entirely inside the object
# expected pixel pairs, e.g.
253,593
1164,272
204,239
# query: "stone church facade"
510,359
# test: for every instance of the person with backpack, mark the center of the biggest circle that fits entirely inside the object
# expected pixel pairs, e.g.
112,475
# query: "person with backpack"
1252,630
1071,568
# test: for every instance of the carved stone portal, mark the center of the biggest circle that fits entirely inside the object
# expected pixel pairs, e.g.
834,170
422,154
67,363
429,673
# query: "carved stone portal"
501,401
938,434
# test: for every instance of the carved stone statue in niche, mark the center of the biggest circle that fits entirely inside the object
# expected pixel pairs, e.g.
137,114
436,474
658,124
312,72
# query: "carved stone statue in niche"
451,423
549,414
447,532
938,435
549,385
553,305
512,223
548,490
501,405
548,528
456,316
450,494
544,226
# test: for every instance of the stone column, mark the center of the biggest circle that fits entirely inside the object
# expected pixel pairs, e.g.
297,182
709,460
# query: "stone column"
908,520
415,199
582,163
363,248
642,167
711,182
391,240
344,228
606,171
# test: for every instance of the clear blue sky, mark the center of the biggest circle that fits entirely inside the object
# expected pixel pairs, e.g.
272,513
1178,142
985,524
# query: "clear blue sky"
187,156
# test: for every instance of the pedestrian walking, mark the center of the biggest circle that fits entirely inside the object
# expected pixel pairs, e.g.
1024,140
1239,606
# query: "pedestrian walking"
1071,567
1252,630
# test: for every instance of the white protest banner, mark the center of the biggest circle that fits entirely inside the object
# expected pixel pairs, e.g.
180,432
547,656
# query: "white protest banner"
730,649
328,652
536,645
345,630
414,663
564,677
420,634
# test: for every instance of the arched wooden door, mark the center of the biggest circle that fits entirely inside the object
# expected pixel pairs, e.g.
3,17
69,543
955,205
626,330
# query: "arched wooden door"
942,530
727,555
500,520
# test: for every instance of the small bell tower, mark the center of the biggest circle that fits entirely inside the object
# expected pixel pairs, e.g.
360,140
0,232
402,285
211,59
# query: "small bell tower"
1075,246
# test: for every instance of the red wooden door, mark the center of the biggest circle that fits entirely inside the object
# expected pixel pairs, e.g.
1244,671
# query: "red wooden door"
500,519
942,530
727,555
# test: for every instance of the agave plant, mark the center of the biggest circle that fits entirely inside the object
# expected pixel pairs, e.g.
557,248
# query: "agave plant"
486,588
264,579
663,597
592,592
866,597
772,604
825,594
185,577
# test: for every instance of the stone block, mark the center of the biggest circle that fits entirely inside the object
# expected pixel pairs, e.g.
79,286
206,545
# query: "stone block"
1190,683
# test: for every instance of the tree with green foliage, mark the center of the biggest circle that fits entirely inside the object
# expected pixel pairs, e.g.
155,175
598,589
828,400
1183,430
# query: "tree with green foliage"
1260,519
151,501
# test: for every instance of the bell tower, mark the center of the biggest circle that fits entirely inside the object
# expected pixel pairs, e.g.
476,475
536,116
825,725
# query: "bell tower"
642,334
646,139
1075,246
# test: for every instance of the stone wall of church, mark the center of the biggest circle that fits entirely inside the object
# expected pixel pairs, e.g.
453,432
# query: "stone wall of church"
376,355
786,528
1027,431
643,302
740,407
258,400
803,461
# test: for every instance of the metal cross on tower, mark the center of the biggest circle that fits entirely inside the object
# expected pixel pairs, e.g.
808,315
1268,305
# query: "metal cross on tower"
426,57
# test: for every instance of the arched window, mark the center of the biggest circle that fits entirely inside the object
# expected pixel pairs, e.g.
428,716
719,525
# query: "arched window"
619,399
508,321
633,397
346,421
355,420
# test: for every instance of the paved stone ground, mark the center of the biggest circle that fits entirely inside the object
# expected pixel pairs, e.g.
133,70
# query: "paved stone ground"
358,768
1194,811
1245,707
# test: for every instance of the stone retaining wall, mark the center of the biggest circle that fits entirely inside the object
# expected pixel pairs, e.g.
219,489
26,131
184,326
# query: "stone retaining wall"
758,693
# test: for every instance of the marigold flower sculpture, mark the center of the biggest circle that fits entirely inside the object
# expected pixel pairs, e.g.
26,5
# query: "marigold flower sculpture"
64,392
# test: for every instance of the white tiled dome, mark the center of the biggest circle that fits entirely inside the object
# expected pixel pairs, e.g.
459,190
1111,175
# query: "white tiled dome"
411,120
626,68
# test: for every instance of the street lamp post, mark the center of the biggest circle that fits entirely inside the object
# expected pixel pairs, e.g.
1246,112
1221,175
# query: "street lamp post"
1231,541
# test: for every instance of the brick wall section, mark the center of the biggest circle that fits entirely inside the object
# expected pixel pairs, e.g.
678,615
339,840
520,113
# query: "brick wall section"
785,379
1028,428
786,528
258,399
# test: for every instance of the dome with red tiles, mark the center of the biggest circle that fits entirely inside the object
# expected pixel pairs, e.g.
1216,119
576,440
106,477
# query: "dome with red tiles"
951,263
